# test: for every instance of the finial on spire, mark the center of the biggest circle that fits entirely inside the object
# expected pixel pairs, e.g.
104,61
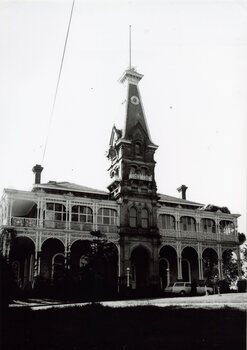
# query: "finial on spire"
130,46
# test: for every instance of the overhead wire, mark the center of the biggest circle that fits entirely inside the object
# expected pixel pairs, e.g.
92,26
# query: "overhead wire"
58,81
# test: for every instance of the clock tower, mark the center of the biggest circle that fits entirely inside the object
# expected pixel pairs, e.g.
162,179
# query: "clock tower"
132,169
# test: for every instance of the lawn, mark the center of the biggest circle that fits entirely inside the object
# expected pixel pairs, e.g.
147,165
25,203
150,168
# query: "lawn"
95,327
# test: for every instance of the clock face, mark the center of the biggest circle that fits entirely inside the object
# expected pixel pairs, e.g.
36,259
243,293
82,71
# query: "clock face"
134,100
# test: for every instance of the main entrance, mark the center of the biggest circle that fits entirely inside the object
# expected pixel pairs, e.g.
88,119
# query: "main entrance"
139,268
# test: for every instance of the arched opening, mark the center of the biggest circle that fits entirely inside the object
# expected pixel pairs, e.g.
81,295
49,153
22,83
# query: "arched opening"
208,225
190,269
167,266
22,261
187,223
166,222
105,267
227,227
138,148
81,218
186,270
80,254
51,260
139,268
58,267
164,272
94,267
210,264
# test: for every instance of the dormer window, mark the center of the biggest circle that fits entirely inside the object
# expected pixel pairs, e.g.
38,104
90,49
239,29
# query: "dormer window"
138,148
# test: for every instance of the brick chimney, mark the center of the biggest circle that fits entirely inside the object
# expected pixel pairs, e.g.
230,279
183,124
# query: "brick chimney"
182,189
37,169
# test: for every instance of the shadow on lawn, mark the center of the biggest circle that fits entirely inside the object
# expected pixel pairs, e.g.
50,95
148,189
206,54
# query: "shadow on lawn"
96,327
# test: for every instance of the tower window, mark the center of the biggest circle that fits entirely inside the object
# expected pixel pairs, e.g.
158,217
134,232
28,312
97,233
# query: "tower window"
144,217
133,217
138,148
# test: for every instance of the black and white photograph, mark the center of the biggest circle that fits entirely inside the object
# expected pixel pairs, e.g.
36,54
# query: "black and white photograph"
123,174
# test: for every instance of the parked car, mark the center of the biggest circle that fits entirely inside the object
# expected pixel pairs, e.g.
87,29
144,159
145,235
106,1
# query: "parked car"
184,288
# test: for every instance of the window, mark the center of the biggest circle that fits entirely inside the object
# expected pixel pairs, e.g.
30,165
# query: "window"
81,214
55,211
144,171
133,217
107,216
138,148
167,222
208,225
144,217
187,223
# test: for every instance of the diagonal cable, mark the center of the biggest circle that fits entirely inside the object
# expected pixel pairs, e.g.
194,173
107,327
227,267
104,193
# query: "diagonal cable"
58,80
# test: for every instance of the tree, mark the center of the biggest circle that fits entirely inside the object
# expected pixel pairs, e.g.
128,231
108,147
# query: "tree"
99,267
230,267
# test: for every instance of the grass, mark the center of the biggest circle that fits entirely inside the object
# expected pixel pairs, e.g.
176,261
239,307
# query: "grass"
95,327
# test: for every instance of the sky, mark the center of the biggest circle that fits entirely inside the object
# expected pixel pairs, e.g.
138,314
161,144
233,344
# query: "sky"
193,55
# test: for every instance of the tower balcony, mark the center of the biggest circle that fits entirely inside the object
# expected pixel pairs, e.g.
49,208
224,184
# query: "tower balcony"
141,177
139,231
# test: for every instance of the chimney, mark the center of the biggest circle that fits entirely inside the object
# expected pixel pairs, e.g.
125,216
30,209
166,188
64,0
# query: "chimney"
37,169
182,189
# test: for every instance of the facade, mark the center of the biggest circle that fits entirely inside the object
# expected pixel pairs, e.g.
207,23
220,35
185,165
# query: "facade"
153,239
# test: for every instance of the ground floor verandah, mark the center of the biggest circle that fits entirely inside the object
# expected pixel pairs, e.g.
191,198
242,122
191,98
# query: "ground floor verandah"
99,264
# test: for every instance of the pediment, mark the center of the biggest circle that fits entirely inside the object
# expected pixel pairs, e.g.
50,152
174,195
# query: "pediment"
138,132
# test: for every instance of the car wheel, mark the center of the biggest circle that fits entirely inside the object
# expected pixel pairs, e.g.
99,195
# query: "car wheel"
182,293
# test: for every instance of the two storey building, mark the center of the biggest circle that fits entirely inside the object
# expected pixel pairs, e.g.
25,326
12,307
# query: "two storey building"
153,239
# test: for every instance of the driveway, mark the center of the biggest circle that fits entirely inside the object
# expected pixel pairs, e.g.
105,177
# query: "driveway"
236,300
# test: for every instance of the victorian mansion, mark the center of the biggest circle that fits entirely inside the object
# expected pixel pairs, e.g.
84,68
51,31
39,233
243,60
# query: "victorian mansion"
154,239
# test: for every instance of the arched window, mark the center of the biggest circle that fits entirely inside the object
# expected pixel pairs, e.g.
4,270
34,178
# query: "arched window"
144,217
107,216
81,214
208,225
138,148
58,266
167,222
133,217
187,223
143,171
55,211
227,227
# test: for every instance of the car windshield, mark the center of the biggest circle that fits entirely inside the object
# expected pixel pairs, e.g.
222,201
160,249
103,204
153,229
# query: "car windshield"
171,285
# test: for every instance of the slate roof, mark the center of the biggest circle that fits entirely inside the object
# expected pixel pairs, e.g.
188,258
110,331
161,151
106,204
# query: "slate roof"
69,186
170,199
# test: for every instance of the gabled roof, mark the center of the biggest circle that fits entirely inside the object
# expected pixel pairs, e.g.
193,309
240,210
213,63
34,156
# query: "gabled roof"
175,200
70,187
